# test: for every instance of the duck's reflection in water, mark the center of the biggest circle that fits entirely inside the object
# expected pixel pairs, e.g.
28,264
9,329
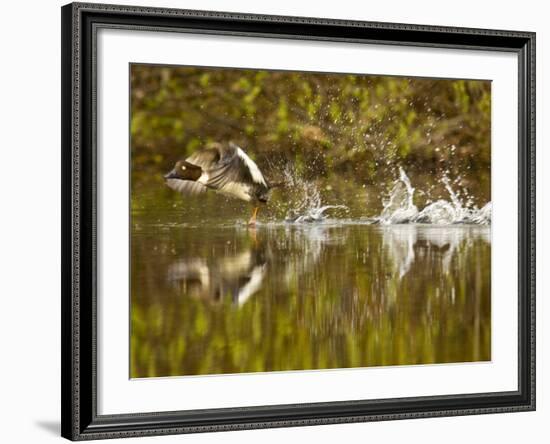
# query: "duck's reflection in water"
238,276
285,255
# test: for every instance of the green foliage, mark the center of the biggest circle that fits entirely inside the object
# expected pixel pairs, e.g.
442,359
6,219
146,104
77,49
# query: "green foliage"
363,125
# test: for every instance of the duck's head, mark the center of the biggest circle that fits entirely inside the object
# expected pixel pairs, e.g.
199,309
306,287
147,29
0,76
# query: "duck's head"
184,170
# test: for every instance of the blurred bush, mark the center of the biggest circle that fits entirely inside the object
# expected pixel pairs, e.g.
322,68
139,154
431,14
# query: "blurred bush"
328,125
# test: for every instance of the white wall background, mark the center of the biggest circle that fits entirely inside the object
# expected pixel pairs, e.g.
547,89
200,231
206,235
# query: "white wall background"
30,220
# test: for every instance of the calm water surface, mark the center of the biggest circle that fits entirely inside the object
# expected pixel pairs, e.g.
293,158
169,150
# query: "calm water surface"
214,297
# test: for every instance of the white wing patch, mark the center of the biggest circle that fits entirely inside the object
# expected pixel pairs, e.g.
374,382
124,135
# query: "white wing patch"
203,178
255,172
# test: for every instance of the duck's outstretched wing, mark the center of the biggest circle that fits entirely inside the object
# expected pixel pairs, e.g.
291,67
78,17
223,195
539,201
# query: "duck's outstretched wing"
186,187
207,158
233,166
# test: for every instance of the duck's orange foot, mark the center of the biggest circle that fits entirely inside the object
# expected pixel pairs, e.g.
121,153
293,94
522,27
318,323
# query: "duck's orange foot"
252,221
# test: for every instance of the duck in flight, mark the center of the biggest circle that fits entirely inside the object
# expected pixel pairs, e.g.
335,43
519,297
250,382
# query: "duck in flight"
226,169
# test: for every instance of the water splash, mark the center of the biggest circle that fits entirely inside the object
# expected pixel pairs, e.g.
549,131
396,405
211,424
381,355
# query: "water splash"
305,204
315,214
400,209
483,216
305,194
440,212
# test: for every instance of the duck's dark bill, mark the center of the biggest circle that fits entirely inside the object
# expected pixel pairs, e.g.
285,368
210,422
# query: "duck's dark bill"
171,175
370,237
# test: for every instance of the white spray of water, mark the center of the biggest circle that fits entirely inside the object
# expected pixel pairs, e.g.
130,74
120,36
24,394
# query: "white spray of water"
399,207
483,216
304,204
312,214
305,194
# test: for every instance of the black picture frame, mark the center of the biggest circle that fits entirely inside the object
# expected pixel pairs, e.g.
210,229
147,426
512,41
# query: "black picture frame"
80,420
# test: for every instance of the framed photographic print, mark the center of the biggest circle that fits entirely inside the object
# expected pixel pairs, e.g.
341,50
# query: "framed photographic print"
281,221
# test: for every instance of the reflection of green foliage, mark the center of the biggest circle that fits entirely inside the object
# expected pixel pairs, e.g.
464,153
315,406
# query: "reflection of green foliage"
362,125
351,308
